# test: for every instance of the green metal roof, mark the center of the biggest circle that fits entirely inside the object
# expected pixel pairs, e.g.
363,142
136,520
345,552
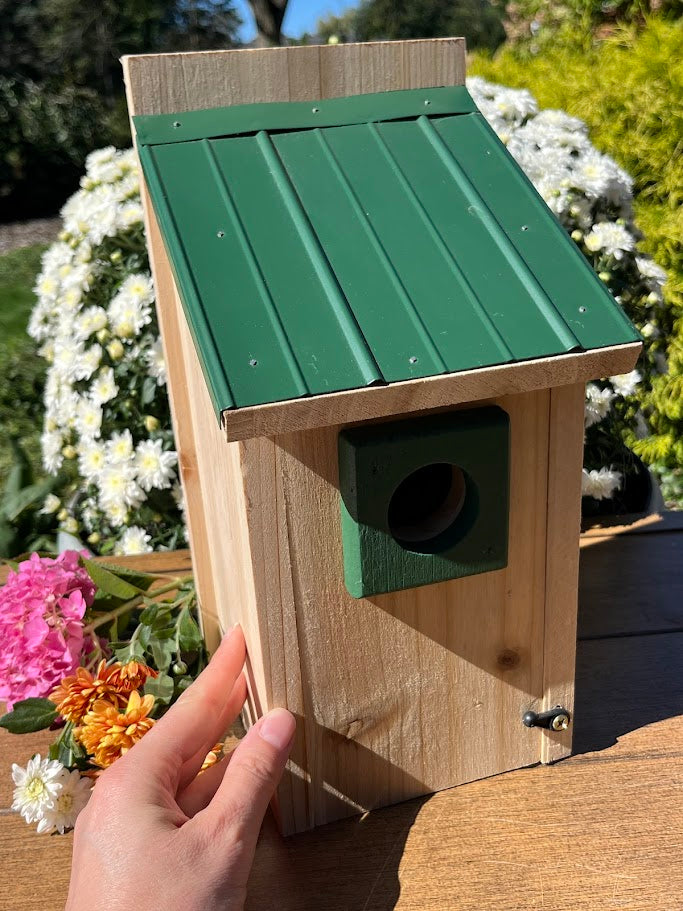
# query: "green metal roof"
331,245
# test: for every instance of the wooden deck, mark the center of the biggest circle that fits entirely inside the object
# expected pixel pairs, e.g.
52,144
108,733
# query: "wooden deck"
601,830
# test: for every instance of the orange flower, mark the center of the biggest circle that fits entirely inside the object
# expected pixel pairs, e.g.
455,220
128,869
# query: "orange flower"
107,732
76,695
212,757
130,676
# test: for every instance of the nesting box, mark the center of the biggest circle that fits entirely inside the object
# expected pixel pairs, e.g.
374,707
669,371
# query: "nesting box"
377,340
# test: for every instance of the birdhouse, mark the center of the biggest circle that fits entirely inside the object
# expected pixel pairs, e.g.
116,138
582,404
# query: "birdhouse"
377,338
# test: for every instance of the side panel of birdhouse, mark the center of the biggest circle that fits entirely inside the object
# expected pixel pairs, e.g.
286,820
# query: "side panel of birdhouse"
413,691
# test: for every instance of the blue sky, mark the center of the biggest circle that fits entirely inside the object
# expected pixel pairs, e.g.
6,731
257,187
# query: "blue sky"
301,16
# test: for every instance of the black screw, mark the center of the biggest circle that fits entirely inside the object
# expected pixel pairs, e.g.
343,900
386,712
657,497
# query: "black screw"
556,719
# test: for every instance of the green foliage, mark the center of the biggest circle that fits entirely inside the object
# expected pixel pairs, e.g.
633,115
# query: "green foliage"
23,526
61,87
478,20
630,93
28,716
22,374
534,24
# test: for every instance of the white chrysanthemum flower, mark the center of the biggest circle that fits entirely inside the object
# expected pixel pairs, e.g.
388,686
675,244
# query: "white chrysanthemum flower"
68,803
625,383
117,485
598,403
51,504
117,514
51,443
614,239
89,418
89,321
654,274
134,540
129,213
104,389
131,307
92,459
36,787
68,354
154,466
156,365
120,447
601,485
88,362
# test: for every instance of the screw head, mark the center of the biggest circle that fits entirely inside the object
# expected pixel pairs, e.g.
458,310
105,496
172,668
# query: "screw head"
560,722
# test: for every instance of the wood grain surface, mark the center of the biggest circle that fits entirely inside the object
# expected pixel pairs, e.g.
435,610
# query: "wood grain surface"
600,831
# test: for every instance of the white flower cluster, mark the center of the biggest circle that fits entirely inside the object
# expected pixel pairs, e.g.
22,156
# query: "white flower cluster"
47,793
106,412
592,197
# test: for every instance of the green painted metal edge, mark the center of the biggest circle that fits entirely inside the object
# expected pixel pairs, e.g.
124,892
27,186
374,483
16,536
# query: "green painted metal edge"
157,129
214,374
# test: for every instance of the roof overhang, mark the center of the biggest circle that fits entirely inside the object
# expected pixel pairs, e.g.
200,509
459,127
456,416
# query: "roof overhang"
375,402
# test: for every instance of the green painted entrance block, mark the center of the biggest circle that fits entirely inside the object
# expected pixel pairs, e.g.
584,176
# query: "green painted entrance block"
424,500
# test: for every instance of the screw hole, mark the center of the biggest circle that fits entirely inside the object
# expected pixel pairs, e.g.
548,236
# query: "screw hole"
427,101
315,110
582,309
176,124
253,362
525,227
220,234
412,360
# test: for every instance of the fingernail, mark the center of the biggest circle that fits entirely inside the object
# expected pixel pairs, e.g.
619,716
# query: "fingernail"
277,728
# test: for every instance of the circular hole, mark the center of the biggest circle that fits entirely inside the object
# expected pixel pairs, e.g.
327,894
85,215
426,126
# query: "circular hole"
427,101
220,234
253,362
315,110
525,227
176,124
412,360
425,505
582,309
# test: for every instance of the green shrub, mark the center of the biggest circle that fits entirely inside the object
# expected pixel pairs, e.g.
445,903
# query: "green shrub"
630,93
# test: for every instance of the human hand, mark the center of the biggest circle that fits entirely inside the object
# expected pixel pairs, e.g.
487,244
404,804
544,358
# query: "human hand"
155,835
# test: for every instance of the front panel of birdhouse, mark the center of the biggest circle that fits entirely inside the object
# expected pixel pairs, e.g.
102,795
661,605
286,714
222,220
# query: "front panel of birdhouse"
421,688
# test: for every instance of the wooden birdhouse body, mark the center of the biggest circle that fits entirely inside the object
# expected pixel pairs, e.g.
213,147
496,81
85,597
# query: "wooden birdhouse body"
388,328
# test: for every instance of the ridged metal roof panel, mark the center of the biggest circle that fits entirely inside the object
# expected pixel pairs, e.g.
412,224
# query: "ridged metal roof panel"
368,250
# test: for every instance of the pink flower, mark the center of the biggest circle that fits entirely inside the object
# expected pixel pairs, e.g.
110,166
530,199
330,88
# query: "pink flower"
41,629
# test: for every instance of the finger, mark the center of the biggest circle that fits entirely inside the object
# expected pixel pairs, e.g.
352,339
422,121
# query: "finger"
233,706
199,716
250,780
199,793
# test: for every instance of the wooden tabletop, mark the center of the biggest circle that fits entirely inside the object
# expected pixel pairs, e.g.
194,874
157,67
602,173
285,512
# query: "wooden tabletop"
601,830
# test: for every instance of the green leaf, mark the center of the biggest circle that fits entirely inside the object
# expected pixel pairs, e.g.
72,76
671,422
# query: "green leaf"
190,636
162,653
149,614
29,715
140,580
14,504
149,388
160,687
109,582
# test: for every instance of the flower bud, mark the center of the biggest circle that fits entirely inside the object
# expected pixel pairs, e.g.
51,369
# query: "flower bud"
103,335
64,236
62,515
71,526
151,423
604,276
157,517
115,350
94,538
69,452
577,235
116,256
179,667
